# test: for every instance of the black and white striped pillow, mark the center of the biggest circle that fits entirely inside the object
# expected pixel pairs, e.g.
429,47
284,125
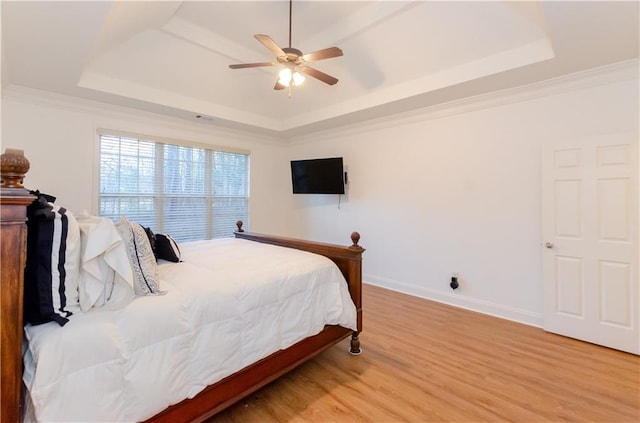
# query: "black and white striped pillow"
52,262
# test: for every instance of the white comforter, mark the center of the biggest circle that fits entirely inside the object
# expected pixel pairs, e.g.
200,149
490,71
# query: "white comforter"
230,303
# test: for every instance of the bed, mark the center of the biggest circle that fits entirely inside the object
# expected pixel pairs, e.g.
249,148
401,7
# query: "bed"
252,375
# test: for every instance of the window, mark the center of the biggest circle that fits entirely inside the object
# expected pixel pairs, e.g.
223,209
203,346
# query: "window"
189,192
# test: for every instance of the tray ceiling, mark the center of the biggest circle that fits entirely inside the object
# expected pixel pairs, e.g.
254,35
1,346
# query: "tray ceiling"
173,57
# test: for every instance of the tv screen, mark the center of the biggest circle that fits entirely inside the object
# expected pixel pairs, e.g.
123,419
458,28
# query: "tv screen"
318,176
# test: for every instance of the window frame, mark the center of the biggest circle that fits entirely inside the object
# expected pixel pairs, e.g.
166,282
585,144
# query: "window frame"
210,196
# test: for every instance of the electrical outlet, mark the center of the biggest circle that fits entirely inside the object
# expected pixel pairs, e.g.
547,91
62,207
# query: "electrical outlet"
454,281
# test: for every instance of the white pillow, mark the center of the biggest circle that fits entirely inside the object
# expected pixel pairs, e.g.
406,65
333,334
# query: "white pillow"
72,265
141,257
106,280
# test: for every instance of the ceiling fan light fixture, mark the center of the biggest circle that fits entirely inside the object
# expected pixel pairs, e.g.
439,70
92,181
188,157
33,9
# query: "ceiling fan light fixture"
293,61
298,78
290,78
285,77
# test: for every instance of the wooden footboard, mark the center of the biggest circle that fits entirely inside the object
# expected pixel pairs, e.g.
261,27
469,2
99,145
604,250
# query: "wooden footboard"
14,200
226,392
348,259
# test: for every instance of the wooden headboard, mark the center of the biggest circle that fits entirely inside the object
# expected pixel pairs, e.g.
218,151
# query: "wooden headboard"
14,199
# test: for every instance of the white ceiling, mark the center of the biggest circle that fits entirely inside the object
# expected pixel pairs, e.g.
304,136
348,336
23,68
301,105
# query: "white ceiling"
174,57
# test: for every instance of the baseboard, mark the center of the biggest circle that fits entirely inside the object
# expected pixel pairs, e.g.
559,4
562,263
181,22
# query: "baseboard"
481,306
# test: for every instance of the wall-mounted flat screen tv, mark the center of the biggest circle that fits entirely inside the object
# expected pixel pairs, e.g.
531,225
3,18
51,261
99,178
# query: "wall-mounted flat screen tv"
318,176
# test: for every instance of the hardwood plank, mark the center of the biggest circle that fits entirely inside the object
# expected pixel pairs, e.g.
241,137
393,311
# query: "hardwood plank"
428,362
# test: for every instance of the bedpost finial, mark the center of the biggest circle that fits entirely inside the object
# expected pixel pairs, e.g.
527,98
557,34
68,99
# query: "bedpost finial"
239,225
355,238
13,166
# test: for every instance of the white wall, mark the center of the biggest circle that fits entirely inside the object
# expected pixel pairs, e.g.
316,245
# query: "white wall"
58,135
436,191
457,189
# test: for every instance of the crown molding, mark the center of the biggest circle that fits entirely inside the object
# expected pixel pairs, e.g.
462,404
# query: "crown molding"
591,78
26,95
613,73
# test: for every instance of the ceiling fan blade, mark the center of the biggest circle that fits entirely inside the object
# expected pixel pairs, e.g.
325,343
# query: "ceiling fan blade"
279,86
326,53
270,44
327,79
250,65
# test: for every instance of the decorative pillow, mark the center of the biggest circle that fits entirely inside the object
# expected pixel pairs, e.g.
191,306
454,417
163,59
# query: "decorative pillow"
143,262
167,248
52,262
152,239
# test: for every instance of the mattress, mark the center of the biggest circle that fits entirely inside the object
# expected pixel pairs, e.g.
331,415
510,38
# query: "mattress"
229,303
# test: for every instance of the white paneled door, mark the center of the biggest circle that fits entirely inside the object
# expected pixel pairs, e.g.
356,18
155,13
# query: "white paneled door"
590,241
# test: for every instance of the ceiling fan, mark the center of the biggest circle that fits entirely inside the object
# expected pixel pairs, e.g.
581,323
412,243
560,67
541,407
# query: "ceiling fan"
293,61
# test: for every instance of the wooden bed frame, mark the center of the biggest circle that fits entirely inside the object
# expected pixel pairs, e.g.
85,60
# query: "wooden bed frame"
14,199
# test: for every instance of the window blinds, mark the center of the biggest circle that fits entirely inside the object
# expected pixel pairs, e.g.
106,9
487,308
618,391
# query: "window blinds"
188,192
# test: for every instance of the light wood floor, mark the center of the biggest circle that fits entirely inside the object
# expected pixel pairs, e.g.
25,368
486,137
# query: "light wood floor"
428,362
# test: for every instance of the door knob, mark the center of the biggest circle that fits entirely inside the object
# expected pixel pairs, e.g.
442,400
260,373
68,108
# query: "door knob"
548,244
